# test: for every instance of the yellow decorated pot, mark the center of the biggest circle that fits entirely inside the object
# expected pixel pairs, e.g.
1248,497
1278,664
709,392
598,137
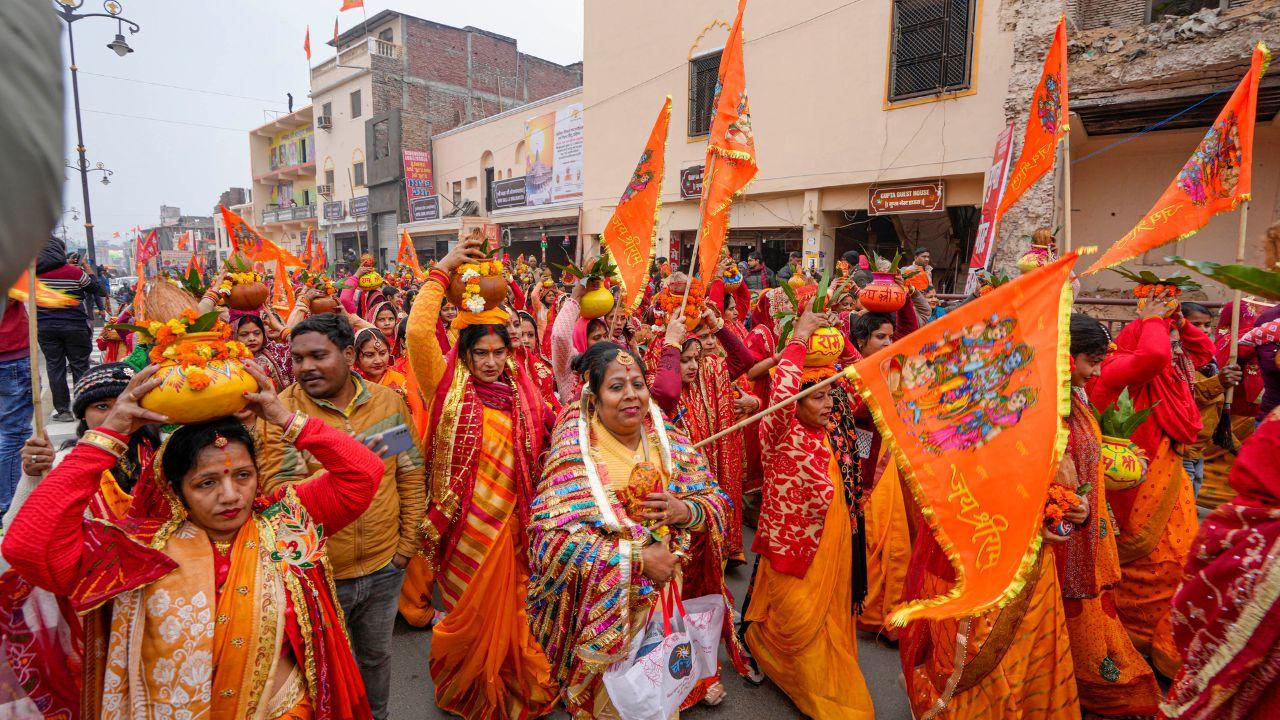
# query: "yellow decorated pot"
220,392
596,303
825,346
1123,465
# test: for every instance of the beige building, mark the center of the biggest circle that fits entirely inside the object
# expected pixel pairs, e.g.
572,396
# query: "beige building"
482,171
283,164
848,99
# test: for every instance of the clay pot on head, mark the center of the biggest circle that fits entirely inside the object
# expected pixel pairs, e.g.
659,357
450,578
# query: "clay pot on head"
596,303
883,294
323,304
825,346
248,296
493,289
183,404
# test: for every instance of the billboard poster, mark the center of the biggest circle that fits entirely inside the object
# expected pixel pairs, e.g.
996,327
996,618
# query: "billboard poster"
418,181
553,156
993,189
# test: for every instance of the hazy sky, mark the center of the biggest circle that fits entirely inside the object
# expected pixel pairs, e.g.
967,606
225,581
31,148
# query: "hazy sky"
246,48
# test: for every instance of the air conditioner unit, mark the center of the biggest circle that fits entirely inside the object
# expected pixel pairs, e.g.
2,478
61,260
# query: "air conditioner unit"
324,122
325,190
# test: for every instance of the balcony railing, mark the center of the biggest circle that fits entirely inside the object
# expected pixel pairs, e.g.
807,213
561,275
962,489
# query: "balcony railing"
357,50
288,214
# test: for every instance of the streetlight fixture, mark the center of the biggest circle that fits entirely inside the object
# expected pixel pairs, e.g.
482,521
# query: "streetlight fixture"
85,169
66,11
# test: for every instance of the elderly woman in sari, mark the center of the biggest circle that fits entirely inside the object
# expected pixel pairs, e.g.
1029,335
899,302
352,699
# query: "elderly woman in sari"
622,497
220,605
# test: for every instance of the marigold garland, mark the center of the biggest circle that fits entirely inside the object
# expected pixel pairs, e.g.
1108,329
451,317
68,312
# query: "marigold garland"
193,356
471,274
668,301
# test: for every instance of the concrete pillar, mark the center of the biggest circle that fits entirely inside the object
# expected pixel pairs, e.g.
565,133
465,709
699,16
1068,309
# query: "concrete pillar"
818,246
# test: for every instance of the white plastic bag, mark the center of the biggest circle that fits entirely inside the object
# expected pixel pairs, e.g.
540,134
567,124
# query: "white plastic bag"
678,647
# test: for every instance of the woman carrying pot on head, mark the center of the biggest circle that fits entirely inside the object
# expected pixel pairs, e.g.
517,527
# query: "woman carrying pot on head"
383,316
622,499
220,605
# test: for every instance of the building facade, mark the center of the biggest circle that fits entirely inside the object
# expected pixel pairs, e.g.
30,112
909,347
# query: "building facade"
396,81
282,161
178,236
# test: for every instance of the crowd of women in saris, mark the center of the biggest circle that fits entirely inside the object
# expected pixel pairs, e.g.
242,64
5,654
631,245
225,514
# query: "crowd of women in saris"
585,473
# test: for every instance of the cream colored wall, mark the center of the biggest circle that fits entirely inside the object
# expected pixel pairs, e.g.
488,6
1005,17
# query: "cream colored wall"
1112,192
344,142
456,156
817,95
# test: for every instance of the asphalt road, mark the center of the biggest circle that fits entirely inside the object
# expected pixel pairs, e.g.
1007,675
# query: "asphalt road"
412,694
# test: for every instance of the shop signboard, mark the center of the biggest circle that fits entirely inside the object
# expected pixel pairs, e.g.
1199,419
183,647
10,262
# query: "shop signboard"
691,183
902,199
358,206
334,211
553,160
424,208
418,181
508,193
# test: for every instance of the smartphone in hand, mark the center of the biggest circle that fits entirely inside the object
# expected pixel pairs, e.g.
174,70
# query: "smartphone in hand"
392,442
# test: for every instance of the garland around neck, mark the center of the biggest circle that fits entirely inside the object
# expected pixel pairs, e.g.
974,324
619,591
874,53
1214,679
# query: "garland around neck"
593,476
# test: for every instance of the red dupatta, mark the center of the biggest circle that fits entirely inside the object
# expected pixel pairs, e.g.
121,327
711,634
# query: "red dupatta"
1226,613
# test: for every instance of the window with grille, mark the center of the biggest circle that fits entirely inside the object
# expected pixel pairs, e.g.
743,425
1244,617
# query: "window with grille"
704,72
932,43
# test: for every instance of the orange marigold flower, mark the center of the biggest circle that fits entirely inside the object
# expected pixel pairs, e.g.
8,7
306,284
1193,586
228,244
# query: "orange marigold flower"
189,315
197,378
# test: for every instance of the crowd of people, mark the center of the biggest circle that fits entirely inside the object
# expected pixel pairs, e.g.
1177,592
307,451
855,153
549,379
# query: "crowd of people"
573,479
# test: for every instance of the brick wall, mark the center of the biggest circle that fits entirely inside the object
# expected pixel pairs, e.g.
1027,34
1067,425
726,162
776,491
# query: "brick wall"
1090,14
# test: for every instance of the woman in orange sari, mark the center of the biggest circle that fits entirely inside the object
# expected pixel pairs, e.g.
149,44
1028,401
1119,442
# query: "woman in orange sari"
800,618
489,426
222,607
1114,681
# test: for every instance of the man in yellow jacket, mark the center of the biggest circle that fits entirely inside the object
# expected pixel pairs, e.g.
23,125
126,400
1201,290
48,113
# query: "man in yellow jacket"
369,556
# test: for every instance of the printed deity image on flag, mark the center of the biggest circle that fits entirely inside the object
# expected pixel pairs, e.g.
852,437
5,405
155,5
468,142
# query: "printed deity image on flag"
972,407
965,388
1213,170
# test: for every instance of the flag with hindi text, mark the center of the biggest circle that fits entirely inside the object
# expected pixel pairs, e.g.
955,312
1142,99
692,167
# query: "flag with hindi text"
245,239
731,151
1217,177
965,400
632,232
1047,123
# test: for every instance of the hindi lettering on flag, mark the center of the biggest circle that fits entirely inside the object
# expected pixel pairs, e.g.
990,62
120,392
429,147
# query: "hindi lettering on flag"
731,151
632,231
972,405
1217,177
247,240
1047,123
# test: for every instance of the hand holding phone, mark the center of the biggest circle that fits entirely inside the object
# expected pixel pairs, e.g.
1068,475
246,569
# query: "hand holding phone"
391,442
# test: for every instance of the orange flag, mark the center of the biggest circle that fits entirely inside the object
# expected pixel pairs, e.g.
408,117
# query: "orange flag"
408,255
1046,125
963,400
632,232
46,297
249,241
195,264
307,252
306,43
1218,177
731,151
184,241
351,5
282,290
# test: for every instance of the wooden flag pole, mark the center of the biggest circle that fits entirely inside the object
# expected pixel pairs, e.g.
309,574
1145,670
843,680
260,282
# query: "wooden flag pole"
697,238
846,373
1233,353
33,337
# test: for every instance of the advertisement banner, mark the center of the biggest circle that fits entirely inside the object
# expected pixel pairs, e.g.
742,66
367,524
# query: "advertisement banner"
903,199
993,189
553,156
418,181
508,193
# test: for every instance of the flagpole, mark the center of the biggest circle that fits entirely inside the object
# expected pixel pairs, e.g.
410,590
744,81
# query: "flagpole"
1066,189
1233,352
697,238
778,406
33,338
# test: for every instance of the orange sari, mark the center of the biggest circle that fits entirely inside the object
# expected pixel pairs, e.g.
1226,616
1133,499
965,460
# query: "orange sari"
484,660
888,549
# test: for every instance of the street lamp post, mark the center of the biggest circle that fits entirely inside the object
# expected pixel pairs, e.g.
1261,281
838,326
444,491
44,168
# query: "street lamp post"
66,10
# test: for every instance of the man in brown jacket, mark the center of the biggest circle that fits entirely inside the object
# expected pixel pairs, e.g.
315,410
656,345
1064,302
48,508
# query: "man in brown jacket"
369,556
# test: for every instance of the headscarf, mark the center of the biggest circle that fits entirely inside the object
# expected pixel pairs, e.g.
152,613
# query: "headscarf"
370,316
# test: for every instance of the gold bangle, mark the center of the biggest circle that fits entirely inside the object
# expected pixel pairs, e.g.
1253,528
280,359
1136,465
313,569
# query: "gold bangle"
293,428
105,443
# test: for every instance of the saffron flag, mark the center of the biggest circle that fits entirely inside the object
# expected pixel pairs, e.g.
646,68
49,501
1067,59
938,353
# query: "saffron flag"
318,259
731,151
282,290
46,297
148,249
1046,123
195,264
351,5
1217,177
184,241
632,232
307,252
249,241
306,43
965,400
407,256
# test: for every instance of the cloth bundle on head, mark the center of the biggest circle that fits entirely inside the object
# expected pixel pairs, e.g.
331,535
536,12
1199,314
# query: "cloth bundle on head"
100,382
466,318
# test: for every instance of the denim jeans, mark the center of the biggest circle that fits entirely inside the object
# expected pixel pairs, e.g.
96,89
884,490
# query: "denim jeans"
1195,471
370,604
15,424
